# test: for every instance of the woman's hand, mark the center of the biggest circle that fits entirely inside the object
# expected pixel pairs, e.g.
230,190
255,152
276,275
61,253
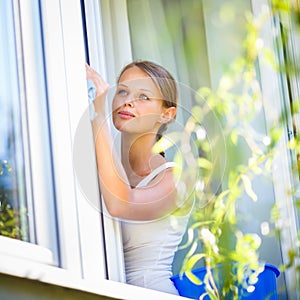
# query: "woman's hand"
100,84
101,88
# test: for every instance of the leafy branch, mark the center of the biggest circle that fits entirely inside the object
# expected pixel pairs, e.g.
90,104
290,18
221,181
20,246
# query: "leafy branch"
10,217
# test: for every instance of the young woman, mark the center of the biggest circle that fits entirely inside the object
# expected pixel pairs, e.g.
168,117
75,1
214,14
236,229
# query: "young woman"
140,188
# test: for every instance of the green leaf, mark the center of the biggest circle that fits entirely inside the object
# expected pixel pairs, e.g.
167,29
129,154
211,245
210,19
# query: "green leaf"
166,142
248,187
223,194
204,163
10,222
269,57
204,92
189,241
234,137
275,133
231,214
193,278
232,178
197,113
193,260
296,106
178,159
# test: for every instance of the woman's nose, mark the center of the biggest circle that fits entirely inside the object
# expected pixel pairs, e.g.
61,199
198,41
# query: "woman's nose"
129,101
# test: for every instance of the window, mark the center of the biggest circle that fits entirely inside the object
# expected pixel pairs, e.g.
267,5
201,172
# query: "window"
27,208
45,95
14,210
46,218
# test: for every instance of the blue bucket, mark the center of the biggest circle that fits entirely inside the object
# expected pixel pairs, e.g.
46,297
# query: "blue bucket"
265,288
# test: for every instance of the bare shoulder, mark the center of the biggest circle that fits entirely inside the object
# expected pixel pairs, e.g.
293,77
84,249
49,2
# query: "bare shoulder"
156,161
165,175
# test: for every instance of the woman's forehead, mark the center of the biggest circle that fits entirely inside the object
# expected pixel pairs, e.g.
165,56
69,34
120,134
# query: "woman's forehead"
134,74
137,78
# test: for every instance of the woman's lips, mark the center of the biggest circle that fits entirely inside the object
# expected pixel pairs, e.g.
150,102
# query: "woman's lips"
126,115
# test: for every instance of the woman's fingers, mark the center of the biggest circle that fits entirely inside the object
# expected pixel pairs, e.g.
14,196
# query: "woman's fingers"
100,84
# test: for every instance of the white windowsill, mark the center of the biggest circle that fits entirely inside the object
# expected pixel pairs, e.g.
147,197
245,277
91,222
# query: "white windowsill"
25,250
21,267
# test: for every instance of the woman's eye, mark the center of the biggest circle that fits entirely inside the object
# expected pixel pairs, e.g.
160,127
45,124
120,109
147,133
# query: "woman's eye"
144,97
122,92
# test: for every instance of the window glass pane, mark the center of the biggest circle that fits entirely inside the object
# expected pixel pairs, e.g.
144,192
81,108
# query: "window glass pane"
13,191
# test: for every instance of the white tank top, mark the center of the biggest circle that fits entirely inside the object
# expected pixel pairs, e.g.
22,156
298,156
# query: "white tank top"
149,246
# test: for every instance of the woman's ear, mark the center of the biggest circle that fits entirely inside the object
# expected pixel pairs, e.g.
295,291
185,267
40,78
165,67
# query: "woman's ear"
169,113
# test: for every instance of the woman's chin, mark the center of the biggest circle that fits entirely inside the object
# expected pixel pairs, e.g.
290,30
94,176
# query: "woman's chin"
124,125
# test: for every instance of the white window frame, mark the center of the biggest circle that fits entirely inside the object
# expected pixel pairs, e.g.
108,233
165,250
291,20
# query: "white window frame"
100,58
80,230
81,253
32,91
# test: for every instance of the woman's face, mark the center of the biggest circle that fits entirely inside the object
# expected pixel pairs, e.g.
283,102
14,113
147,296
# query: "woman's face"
137,105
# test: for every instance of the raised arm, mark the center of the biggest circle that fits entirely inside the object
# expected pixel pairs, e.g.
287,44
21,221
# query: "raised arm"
122,201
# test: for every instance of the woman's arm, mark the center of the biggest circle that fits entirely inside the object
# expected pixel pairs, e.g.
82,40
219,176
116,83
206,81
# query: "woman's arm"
121,200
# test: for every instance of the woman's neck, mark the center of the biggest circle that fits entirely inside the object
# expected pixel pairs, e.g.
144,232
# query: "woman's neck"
137,155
